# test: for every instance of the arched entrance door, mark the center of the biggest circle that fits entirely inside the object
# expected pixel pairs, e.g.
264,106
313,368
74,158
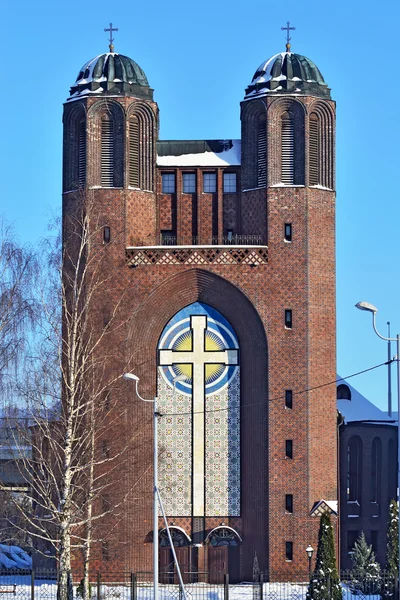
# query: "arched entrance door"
223,545
181,542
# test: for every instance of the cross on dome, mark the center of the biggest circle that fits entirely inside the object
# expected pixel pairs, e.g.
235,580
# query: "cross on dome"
288,38
111,29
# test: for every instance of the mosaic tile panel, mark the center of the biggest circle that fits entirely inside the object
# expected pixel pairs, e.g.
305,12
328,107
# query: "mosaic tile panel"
199,470
175,450
223,451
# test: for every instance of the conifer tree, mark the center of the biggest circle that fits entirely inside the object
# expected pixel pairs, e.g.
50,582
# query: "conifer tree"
366,571
324,584
392,548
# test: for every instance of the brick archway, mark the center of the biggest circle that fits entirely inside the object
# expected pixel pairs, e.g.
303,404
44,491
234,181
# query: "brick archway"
146,325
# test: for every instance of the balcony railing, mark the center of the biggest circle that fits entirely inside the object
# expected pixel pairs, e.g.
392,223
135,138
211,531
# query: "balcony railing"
229,240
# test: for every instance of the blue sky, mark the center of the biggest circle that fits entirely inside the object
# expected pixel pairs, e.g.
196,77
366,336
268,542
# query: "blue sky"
199,57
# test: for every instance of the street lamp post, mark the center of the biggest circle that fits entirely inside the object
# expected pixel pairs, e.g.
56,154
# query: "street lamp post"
372,309
156,495
309,551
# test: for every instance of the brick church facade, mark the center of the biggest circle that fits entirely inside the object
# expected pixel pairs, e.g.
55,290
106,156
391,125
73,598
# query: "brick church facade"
220,255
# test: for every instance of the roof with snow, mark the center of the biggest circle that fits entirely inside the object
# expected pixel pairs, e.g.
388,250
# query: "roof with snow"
287,73
111,74
358,408
198,153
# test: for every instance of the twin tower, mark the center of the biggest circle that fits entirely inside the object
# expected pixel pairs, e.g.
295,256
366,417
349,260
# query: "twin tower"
220,255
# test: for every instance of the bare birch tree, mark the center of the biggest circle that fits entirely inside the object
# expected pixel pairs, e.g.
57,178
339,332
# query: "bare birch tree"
17,307
71,398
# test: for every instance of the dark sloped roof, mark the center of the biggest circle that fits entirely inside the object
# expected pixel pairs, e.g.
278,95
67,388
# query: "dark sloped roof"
180,147
288,73
113,74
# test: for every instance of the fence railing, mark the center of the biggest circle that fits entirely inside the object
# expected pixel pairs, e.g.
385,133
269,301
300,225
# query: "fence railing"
42,585
226,240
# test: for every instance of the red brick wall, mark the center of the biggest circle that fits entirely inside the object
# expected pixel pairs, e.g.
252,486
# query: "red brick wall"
299,276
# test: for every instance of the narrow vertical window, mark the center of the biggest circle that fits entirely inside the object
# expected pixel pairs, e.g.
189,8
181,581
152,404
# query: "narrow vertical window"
289,399
105,550
313,155
262,154
209,182
287,140
105,449
106,235
289,550
289,503
374,540
134,152
354,470
288,318
107,152
168,183
376,469
189,183
289,448
288,232
229,182
82,153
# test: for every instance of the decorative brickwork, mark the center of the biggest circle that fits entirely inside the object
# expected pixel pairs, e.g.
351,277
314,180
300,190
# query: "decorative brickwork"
250,285
196,256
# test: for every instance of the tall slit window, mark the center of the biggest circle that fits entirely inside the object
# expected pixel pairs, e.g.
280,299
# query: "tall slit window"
287,140
314,150
82,153
262,154
376,469
134,152
354,470
107,152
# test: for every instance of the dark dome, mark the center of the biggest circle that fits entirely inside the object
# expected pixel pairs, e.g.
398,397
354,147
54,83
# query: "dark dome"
288,73
111,74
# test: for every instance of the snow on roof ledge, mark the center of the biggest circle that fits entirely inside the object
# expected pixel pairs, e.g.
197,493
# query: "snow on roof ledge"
226,158
324,506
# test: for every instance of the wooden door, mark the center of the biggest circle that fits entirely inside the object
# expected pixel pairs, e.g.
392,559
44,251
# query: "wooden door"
166,566
234,564
217,563
182,556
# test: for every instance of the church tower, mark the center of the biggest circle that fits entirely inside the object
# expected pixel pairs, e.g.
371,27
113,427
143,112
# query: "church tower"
220,255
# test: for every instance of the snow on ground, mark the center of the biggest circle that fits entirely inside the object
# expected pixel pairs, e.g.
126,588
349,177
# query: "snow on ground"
47,590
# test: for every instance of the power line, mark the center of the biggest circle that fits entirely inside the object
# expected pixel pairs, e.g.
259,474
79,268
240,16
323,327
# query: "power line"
317,387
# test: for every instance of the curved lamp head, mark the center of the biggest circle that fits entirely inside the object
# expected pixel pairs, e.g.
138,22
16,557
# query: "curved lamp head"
130,376
309,551
366,306
179,378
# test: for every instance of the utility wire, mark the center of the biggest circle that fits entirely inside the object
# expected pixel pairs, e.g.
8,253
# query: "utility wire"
317,387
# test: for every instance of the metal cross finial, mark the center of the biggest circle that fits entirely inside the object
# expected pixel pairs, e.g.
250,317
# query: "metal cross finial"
111,29
288,38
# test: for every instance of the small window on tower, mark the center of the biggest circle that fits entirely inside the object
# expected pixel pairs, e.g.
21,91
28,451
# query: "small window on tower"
288,232
106,235
289,448
289,550
105,550
189,183
288,318
209,182
168,183
289,503
229,182
289,399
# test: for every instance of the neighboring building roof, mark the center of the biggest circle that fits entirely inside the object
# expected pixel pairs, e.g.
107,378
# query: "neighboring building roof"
324,506
198,153
111,74
288,73
361,409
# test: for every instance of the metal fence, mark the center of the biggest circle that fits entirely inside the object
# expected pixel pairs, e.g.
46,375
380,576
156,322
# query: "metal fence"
42,585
